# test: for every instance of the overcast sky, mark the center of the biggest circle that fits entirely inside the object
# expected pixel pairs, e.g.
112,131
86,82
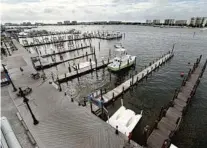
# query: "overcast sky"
98,10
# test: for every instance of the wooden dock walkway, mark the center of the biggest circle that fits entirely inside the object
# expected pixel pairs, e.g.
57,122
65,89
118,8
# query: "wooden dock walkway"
64,51
57,41
62,123
39,66
171,116
82,71
119,90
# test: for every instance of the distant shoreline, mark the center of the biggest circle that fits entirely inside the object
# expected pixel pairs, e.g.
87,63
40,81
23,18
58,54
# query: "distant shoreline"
160,26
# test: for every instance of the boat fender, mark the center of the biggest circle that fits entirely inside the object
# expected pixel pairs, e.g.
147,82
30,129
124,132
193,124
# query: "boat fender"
182,74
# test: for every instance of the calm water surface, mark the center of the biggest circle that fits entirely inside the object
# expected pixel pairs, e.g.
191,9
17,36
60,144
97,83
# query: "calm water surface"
148,43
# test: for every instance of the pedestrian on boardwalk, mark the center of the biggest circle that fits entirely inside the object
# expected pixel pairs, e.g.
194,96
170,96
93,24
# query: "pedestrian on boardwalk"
21,69
116,132
129,137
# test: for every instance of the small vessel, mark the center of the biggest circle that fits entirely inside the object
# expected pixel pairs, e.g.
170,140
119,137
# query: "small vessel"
84,64
119,45
122,61
125,120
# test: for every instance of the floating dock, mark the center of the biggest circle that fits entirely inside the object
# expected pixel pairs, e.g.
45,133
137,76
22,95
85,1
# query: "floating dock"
171,116
57,41
38,66
64,51
82,71
119,90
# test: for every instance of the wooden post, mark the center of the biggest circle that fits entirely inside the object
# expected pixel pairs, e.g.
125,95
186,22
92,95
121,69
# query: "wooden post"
145,133
101,94
110,76
87,56
164,113
175,94
60,88
156,123
90,63
189,74
183,82
123,92
161,112
78,66
69,69
77,72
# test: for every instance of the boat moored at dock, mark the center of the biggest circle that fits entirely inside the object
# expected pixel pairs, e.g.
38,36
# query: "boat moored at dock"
125,120
122,61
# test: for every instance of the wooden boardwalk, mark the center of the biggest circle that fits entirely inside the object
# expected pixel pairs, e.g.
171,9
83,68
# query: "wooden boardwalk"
171,116
64,51
119,90
57,41
62,123
82,71
111,37
39,66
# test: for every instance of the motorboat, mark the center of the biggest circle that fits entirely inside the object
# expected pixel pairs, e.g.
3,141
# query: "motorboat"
122,61
119,45
125,120
84,64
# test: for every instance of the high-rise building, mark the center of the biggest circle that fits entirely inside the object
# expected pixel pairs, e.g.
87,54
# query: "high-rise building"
74,22
156,22
204,24
193,21
8,24
197,21
181,22
114,22
148,21
59,23
169,21
66,22
26,24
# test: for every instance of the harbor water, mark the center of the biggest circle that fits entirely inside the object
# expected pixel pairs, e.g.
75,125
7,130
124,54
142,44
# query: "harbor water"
147,43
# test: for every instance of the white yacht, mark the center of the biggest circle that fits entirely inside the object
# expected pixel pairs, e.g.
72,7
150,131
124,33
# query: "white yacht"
119,45
122,61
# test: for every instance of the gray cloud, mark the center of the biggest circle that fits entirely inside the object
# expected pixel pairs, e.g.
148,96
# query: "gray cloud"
87,10
48,10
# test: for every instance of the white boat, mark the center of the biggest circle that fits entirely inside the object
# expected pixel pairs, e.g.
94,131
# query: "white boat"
125,119
84,64
122,61
119,45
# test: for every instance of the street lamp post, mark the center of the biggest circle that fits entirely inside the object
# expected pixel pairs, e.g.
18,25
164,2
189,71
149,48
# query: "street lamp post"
26,100
7,74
